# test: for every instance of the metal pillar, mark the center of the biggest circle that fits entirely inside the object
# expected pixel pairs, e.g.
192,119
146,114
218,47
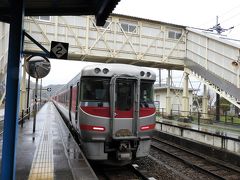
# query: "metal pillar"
40,93
185,97
168,98
12,94
28,94
35,106
205,102
217,107
23,90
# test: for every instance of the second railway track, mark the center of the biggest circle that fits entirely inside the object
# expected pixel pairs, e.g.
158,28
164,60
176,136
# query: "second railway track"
213,168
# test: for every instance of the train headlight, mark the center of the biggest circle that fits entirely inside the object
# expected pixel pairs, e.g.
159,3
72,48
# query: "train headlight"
105,70
142,73
148,74
97,70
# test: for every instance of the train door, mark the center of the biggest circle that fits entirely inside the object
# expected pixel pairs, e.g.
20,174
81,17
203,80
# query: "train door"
124,106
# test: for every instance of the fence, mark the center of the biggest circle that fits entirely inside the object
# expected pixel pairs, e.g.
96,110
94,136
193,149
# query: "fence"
199,117
26,114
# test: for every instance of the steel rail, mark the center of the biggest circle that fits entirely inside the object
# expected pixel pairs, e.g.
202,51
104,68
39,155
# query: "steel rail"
139,173
213,163
207,158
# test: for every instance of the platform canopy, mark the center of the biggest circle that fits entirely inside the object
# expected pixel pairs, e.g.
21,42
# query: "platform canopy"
100,8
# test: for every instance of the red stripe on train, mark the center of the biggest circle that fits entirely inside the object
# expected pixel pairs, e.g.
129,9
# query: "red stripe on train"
124,114
105,112
146,111
97,111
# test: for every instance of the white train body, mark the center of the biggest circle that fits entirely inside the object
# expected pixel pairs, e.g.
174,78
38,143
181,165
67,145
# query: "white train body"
111,108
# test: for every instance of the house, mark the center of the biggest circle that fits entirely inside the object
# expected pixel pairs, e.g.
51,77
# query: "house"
175,98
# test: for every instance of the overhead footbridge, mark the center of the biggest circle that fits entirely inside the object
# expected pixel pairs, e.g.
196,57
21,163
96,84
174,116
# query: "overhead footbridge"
122,39
143,42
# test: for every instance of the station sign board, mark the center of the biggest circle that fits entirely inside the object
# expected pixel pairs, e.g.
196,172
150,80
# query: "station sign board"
59,50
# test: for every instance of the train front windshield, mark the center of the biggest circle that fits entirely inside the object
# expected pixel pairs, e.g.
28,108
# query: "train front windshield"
95,89
146,93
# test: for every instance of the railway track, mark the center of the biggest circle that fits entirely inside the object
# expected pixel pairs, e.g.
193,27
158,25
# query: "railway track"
118,173
214,168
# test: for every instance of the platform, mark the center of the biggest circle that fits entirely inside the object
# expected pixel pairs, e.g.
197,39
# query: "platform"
216,128
51,152
216,135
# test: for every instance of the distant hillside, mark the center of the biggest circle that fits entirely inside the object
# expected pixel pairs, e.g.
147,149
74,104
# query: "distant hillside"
54,89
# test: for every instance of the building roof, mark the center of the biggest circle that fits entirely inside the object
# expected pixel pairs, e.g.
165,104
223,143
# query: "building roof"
100,8
215,37
164,86
148,20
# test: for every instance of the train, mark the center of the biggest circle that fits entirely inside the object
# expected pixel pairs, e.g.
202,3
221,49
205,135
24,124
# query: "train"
111,109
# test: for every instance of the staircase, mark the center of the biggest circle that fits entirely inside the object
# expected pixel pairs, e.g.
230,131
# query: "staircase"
214,62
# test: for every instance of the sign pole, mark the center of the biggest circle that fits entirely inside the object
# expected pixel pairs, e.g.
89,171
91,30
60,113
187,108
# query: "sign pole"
35,105
40,92
37,67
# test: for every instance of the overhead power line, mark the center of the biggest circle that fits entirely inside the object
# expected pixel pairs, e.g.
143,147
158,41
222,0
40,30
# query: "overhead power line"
231,17
222,14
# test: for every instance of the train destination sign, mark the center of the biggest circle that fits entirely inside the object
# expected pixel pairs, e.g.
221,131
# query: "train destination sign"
59,50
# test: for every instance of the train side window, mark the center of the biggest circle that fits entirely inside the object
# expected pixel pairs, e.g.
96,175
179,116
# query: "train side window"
77,99
69,97
66,98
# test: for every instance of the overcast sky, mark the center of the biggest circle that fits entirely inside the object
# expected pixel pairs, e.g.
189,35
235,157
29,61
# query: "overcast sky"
194,13
197,13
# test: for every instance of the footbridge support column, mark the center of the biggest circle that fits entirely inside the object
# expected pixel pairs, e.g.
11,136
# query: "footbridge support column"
185,97
205,103
168,97
217,107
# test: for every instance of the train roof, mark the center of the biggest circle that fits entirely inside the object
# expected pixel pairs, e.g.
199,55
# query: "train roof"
108,70
113,69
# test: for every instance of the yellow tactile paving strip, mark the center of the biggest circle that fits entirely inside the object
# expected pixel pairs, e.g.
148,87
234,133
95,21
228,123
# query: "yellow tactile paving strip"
42,165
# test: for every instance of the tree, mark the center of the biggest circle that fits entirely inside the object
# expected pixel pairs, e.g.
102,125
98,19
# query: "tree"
211,98
224,105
